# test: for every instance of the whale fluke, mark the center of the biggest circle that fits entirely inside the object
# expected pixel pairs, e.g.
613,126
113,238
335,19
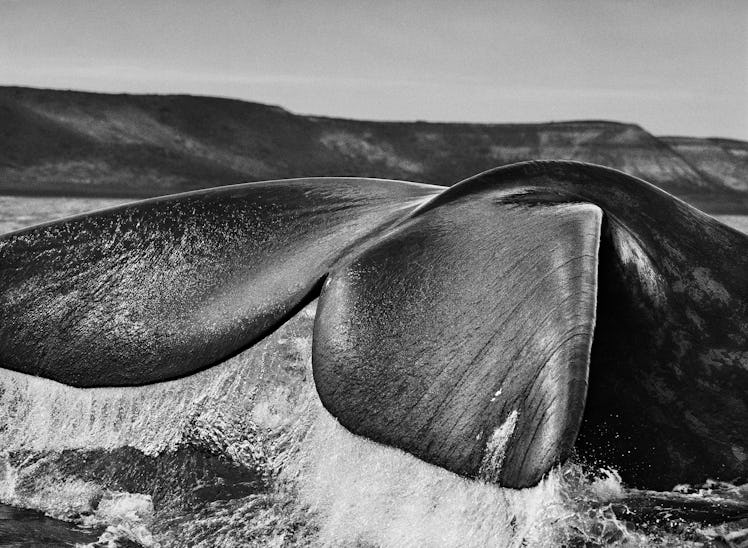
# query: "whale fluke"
489,328
464,337
161,288
668,389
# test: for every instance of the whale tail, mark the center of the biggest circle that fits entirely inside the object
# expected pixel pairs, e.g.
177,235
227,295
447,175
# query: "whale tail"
489,328
464,337
161,288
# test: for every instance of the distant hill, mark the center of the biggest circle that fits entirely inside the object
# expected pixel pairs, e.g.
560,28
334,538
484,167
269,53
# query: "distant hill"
720,161
76,143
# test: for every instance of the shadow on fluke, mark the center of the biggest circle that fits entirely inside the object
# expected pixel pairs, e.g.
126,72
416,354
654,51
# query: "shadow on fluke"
492,328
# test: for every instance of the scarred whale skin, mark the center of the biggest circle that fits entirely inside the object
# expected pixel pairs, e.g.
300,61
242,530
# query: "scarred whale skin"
493,328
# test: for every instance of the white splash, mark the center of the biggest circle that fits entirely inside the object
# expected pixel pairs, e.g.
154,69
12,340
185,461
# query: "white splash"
37,414
493,457
27,484
328,487
364,493
126,516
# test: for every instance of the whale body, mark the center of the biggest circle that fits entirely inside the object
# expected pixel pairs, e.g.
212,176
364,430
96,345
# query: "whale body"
493,328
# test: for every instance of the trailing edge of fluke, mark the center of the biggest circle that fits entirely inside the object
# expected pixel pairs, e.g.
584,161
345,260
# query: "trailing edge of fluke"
492,328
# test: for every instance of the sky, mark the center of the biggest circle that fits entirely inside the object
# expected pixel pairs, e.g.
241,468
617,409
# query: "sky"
676,67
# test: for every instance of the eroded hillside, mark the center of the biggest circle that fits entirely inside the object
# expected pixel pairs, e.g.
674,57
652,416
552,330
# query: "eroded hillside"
65,142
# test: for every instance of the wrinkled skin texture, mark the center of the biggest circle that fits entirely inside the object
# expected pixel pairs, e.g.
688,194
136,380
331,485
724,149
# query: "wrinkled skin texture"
464,337
162,288
479,327
668,388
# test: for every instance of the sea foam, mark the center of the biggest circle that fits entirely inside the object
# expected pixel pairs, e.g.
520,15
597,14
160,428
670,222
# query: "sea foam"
244,454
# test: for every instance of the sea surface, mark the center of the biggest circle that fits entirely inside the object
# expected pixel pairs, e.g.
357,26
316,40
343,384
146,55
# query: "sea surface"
243,454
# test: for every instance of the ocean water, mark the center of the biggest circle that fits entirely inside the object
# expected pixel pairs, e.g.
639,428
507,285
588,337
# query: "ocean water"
243,454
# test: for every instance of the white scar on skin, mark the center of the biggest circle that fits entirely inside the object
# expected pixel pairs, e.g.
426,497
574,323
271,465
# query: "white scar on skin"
493,457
